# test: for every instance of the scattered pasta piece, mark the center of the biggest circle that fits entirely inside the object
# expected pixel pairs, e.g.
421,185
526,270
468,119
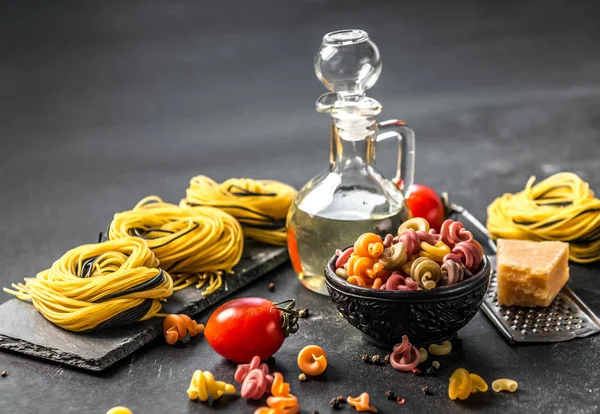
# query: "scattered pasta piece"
361,403
281,401
204,386
312,360
178,327
441,349
255,379
462,384
404,356
505,384
422,355
119,410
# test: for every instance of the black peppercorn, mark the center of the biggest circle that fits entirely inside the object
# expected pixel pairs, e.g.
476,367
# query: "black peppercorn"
427,391
375,359
341,399
390,395
334,403
416,371
4,374
271,286
366,359
432,371
303,313
387,359
315,412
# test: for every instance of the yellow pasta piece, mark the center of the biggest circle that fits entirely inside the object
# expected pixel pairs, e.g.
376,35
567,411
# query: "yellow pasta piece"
96,286
415,224
204,386
119,410
462,384
560,208
261,206
436,252
505,384
422,355
441,349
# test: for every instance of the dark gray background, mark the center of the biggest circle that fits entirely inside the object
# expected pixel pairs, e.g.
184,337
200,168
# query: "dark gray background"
103,103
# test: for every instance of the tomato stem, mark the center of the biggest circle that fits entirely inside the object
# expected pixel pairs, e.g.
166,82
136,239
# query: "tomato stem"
289,316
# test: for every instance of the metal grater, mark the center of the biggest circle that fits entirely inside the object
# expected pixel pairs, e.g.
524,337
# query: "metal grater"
565,319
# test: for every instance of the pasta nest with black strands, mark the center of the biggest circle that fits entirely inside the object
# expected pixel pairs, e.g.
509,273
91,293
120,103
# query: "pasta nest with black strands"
261,206
195,245
560,208
97,286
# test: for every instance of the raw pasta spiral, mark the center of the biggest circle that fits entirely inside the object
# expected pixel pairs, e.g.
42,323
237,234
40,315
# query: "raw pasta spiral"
462,384
361,403
394,256
255,379
97,286
434,252
470,254
452,272
261,206
281,401
560,208
195,245
416,224
453,232
204,386
369,245
312,360
411,240
399,282
426,272
178,327
404,356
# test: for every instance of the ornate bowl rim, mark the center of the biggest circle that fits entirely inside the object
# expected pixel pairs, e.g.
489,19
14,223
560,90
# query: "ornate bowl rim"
437,294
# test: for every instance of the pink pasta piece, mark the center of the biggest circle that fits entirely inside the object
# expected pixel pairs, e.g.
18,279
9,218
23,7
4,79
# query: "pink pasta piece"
454,232
395,281
343,257
244,369
428,237
470,254
411,241
256,384
404,356
411,284
388,240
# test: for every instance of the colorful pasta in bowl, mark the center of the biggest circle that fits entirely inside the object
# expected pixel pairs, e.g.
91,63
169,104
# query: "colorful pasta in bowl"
416,283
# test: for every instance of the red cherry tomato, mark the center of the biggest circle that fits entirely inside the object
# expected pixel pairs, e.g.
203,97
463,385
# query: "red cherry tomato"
243,328
424,202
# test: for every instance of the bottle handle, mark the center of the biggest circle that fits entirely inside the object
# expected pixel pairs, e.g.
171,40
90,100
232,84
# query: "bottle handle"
405,172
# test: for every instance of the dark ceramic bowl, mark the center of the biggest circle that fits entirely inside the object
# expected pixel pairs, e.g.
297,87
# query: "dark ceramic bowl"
426,316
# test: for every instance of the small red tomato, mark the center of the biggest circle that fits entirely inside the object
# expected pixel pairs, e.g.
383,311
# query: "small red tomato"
424,202
243,328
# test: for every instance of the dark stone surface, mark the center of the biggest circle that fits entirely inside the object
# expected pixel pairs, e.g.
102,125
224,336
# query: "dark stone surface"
104,103
24,330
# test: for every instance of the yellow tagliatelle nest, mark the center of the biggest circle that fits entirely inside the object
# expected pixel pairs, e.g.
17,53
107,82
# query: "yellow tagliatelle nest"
560,208
96,286
261,206
462,384
195,246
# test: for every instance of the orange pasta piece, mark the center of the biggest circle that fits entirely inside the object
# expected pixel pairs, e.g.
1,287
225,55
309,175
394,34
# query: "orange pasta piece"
177,327
357,280
361,403
369,245
312,360
359,266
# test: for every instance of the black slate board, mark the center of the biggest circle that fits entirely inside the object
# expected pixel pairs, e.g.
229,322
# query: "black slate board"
24,330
